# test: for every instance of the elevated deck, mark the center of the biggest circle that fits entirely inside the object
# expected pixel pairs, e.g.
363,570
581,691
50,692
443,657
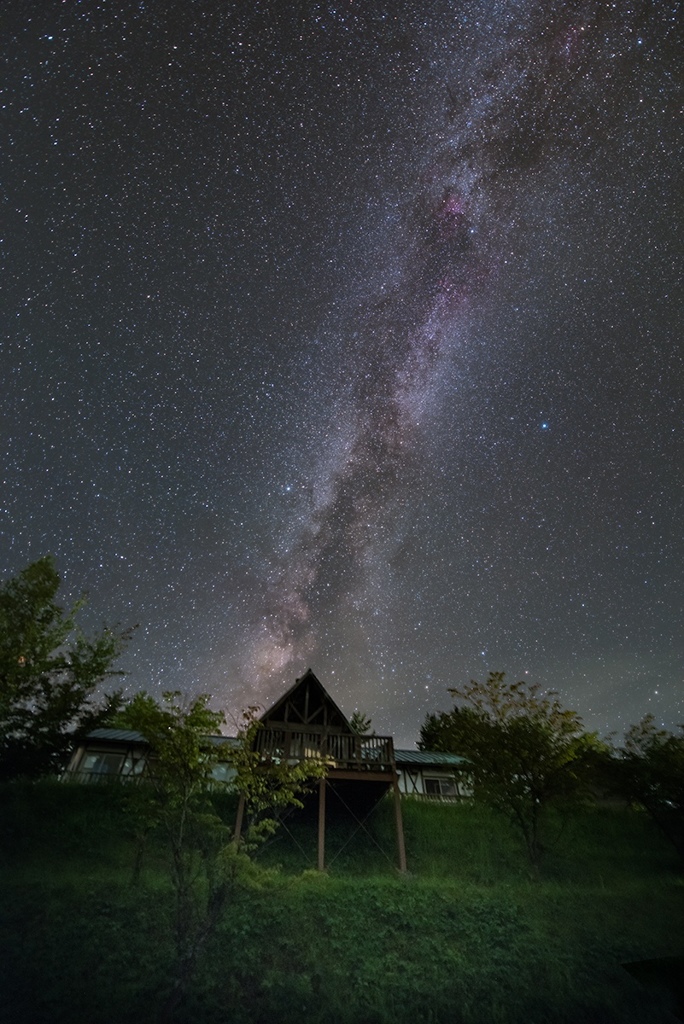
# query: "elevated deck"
340,751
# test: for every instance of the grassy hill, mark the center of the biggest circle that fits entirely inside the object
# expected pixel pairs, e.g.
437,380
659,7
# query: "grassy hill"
466,938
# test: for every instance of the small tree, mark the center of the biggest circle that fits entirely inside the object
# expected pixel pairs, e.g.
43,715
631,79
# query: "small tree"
205,864
651,772
268,785
525,750
361,724
49,674
176,799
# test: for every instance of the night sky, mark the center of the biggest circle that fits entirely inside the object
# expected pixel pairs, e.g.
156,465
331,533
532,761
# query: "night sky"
348,335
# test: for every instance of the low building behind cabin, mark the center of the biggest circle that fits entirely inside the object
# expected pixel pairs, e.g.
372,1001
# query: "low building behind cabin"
108,755
431,775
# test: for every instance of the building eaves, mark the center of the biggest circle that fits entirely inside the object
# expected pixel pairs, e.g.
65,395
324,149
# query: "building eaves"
428,757
131,736
117,735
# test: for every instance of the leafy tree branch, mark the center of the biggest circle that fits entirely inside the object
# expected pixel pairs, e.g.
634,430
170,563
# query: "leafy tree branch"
525,750
651,773
269,785
50,673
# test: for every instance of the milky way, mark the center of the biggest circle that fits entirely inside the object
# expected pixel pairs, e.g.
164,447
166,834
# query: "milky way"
521,108
347,336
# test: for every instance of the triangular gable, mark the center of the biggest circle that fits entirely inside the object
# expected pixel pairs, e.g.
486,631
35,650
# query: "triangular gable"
307,704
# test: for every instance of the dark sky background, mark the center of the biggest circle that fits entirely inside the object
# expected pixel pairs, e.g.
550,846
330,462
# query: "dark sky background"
348,335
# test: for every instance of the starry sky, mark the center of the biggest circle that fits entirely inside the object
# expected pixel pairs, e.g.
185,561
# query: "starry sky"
348,335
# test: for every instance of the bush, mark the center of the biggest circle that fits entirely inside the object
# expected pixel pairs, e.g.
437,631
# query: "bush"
465,938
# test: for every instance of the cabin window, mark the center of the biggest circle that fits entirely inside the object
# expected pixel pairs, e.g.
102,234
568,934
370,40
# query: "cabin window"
441,787
223,772
99,762
133,765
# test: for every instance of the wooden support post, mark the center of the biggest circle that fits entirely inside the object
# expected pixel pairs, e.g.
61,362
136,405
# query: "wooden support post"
400,826
239,817
321,824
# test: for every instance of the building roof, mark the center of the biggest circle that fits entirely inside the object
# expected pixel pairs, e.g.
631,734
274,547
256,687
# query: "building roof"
310,680
117,735
130,736
428,757
425,758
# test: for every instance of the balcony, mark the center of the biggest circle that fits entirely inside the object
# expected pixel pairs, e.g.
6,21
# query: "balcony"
337,750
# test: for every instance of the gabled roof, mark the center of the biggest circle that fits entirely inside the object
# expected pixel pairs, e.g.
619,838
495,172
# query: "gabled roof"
426,758
312,681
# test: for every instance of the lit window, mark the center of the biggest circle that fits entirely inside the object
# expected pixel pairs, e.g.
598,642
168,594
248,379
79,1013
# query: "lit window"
97,762
441,787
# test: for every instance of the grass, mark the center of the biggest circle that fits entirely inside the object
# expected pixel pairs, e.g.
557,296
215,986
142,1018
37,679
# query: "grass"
466,938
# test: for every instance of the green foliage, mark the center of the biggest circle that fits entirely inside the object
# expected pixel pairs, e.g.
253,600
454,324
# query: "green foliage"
651,772
183,755
361,724
49,674
269,785
525,750
459,941
176,798
207,869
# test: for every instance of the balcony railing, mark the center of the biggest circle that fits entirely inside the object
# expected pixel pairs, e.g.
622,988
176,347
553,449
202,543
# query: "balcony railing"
363,753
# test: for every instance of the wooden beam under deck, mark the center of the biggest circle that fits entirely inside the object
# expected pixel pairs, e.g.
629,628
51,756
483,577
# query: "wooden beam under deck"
401,847
321,824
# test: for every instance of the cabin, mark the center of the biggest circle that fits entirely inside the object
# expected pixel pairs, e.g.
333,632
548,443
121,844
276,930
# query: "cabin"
106,754
123,755
360,770
304,723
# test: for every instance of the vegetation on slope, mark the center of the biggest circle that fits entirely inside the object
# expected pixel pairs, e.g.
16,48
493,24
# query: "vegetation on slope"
466,937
